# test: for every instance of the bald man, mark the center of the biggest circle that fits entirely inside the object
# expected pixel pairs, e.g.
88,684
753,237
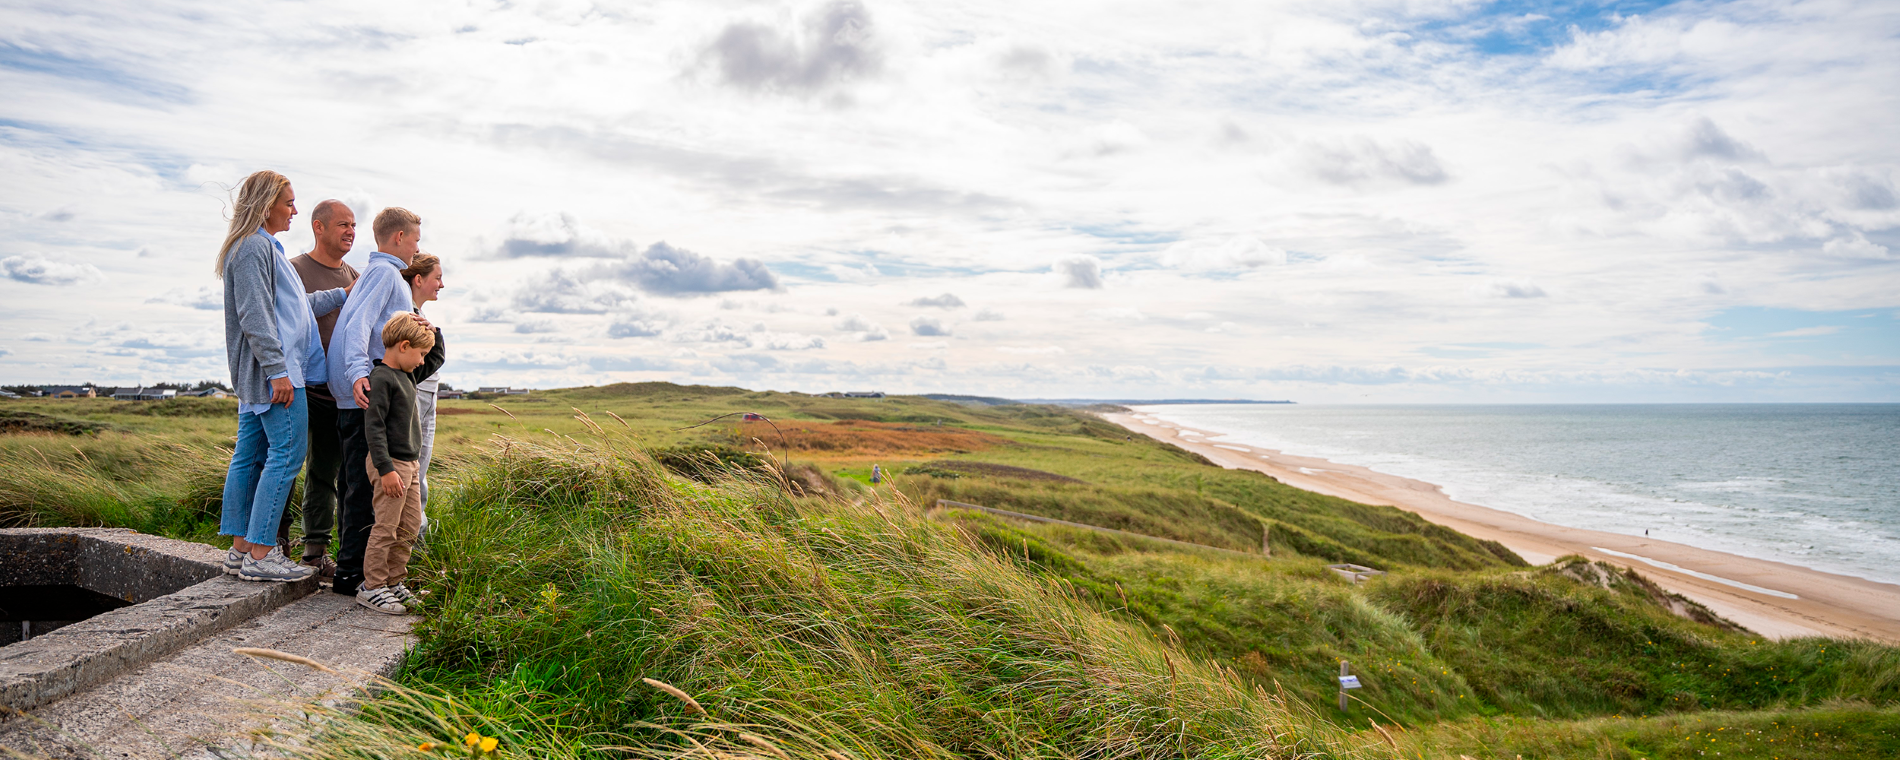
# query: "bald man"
322,268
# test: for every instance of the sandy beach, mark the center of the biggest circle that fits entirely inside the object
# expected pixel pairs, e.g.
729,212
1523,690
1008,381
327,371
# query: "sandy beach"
1774,599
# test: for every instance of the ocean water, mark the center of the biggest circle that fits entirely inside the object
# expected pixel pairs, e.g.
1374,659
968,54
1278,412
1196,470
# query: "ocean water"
1815,485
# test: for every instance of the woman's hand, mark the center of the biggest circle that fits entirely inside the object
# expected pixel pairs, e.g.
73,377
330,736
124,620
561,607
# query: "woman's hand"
281,392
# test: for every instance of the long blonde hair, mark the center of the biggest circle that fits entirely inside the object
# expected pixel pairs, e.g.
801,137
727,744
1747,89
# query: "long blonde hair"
249,209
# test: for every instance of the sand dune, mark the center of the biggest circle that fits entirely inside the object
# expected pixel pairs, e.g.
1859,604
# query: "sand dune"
1774,599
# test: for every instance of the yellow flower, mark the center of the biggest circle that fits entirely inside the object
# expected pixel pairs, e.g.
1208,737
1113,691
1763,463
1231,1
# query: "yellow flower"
426,746
488,744
472,739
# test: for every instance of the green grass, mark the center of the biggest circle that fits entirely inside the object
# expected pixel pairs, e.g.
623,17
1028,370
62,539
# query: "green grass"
566,565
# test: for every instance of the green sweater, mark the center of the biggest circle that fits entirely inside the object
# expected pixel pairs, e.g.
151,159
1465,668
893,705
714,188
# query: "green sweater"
391,424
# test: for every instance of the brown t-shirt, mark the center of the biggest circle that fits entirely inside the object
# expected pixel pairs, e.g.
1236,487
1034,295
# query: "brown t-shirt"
317,277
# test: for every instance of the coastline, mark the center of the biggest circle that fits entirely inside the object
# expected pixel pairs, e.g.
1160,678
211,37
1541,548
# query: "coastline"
1774,599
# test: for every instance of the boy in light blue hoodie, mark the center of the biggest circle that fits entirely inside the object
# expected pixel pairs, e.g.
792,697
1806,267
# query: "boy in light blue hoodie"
355,344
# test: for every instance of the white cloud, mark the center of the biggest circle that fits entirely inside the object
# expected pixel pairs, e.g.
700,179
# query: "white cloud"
988,315
40,270
1117,314
1031,350
1806,332
928,326
945,301
1507,288
1238,252
1079,272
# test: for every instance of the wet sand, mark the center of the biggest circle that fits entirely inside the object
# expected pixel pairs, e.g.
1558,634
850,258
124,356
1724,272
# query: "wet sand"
1774,599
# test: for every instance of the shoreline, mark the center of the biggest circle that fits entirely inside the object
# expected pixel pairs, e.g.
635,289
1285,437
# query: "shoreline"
1774,599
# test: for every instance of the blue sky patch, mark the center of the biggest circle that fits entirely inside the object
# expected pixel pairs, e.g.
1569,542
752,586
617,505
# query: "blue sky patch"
1850,335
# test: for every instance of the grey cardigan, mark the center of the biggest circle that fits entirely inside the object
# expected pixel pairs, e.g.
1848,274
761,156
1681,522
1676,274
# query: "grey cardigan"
251,341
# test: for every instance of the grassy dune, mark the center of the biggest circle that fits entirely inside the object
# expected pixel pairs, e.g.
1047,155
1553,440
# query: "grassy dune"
815,613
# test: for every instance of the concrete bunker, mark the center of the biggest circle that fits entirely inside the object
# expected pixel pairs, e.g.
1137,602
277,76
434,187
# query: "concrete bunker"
52,579
83,605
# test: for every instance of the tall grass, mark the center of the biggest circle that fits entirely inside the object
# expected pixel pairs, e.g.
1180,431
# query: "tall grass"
562,578
111,480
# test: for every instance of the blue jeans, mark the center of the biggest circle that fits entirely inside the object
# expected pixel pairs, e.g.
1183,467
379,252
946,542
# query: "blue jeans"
264,466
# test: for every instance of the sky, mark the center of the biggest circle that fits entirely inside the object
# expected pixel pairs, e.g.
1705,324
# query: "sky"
1337,201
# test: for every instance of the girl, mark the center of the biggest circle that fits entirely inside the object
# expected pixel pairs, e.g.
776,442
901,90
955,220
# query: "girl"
425,283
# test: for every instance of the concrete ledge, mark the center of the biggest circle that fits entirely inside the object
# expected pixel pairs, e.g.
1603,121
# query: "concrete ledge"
206,701
132,566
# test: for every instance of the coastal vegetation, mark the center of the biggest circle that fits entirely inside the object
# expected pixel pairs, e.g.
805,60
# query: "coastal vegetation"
605,579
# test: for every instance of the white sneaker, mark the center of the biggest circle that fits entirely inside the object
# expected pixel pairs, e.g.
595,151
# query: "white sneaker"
404,595
274,567
381,600
234,561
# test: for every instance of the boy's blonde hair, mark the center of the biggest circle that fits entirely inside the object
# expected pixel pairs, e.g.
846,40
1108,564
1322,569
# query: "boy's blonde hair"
404,327
395,219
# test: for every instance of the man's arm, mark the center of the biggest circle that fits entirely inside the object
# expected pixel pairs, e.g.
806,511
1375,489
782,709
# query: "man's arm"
432,362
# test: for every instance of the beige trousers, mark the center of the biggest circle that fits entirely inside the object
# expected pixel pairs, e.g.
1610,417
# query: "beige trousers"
398,518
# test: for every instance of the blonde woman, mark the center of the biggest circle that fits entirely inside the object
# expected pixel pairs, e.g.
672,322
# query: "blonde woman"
272,344
424,275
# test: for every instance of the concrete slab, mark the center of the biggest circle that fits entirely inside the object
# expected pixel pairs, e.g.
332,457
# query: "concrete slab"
201,697
149,570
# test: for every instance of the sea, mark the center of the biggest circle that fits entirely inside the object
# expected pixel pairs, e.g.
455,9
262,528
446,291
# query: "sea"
1814,485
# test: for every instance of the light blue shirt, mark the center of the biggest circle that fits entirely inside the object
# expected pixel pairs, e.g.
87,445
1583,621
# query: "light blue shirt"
357,339
296,327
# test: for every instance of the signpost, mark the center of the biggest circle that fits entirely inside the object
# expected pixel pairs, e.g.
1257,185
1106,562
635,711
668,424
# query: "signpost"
1346,681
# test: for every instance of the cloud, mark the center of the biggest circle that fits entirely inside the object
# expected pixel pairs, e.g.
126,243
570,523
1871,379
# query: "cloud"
534,326
1079,272
1239,252
1502,288
1706,140
562,291
864,329
786,341
204,297
666,270
636,325
39,270
928,326
945,301
835,45
1361,160
1806,332
1117,314
988,315
1854,246
1031,350
555,234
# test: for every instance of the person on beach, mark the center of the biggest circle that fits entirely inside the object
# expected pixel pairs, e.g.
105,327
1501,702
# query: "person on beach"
394,431
380,294
424,275
334,226
271,342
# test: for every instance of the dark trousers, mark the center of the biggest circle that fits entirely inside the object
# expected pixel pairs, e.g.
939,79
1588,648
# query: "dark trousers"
322,479
355,512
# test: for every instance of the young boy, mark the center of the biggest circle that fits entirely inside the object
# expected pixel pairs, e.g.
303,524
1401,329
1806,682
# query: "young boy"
410,352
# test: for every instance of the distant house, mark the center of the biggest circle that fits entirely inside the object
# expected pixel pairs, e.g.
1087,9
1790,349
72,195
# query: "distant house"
502,390
69,391
448,394
864,394
209,393
142,393
8,394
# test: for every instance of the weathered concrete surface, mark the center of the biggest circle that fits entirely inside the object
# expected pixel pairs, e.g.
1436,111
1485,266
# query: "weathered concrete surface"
122,563
46,668
205,696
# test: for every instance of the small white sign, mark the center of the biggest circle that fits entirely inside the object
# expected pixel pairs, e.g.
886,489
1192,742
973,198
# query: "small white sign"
1348,682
